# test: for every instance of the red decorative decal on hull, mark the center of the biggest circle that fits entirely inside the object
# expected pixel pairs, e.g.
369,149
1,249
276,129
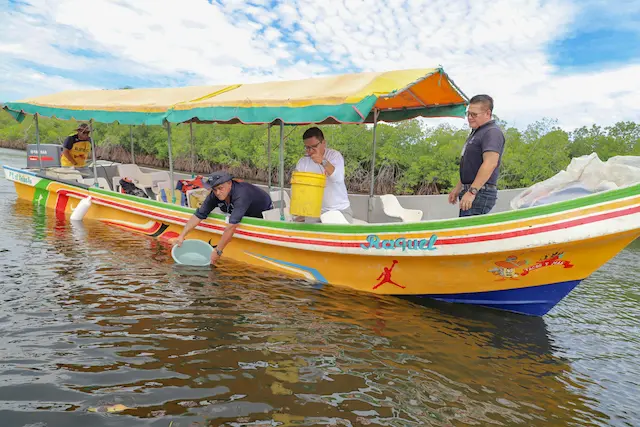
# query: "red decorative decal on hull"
385,276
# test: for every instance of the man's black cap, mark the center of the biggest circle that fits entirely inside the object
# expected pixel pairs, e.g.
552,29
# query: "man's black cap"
217,178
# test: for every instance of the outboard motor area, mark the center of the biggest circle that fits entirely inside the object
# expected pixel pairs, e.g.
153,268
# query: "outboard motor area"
49,153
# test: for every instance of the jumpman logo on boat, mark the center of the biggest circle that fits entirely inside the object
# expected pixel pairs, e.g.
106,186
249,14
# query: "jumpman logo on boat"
386,276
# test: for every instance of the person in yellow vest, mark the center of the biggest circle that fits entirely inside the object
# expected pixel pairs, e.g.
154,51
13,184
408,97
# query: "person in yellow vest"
76,148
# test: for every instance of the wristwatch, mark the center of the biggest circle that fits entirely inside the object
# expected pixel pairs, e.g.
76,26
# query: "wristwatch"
219,252
473,190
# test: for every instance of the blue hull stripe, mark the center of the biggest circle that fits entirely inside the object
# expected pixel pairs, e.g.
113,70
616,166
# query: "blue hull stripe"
315,273
24,171
532,301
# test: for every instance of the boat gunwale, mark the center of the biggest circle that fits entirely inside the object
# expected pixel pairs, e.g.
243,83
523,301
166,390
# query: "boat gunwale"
432,225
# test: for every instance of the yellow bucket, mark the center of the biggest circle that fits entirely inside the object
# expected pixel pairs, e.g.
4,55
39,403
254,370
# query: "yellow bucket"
307,190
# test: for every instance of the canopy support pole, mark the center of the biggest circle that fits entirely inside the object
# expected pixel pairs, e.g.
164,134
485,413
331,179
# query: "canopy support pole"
269,156
38,142
133,156
376,112
173,193
193,152
93,154
281,170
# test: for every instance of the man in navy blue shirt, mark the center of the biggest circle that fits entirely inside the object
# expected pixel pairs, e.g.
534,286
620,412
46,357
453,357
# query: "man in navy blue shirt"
477,189
239,199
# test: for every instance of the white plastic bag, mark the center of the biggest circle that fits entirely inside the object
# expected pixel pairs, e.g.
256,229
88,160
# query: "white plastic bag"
585,175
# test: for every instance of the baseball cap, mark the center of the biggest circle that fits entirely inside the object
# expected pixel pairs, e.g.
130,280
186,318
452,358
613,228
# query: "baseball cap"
217,178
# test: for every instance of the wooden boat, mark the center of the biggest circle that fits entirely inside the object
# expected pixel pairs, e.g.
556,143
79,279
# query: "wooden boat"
523,260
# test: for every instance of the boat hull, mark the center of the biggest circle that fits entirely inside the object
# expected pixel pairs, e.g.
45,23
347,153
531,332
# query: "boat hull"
512,261
534,300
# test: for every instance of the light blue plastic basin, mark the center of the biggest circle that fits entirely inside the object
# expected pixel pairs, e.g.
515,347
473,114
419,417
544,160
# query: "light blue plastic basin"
192,252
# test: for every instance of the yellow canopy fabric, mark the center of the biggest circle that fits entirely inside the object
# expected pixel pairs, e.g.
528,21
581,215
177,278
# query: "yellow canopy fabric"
123,100
346,98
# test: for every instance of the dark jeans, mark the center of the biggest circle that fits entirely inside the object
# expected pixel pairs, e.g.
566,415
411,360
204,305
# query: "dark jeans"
483,203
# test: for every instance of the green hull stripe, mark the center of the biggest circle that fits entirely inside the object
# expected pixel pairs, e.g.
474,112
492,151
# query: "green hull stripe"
41,195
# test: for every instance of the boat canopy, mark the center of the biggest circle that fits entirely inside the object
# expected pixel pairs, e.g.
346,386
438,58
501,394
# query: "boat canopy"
346,98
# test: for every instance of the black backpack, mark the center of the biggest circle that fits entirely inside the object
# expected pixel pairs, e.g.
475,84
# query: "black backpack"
130,188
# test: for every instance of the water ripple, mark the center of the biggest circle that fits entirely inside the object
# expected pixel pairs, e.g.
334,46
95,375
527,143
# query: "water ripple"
94,317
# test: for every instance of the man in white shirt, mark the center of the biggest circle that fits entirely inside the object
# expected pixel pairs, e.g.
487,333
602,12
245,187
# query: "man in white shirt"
320,159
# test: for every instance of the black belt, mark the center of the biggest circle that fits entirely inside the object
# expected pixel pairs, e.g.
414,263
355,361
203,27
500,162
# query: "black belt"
484,187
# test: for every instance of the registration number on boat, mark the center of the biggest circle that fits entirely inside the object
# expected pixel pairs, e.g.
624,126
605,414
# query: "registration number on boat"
18,177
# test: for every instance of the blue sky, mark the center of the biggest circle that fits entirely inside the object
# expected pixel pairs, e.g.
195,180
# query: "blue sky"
575,61
601,36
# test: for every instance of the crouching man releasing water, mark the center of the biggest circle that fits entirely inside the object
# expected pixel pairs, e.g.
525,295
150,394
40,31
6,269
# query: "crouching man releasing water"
239,199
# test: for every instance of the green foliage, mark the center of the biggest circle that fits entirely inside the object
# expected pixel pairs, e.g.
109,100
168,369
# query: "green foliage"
410,159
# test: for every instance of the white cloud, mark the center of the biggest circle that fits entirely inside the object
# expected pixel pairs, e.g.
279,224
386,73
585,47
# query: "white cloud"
193,37
288,15
30,83
271,35
491,46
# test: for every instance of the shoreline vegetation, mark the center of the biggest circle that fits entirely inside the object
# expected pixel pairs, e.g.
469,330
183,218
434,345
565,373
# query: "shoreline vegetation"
410,158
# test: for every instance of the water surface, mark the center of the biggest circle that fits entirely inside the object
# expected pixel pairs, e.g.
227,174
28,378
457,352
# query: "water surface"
92,316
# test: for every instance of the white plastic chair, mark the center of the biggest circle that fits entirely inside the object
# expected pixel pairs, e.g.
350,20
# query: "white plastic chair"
141,179
333,217
116,183
392,207
195,196
274,214
275,197
167,192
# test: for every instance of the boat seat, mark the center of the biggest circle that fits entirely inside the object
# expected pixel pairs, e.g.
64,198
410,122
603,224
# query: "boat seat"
196,197
158,178
68,174
392,207
141,179
274,214
275,198
333,217
165,196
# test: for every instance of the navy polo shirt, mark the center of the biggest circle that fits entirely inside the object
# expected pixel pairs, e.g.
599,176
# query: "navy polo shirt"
488,137
245,200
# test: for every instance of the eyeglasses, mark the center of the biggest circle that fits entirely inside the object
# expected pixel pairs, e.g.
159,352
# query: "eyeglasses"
474,115
311,147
